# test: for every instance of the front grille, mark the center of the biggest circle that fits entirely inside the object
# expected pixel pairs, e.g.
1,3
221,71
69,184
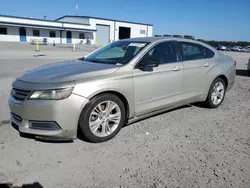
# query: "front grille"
17,118
19,94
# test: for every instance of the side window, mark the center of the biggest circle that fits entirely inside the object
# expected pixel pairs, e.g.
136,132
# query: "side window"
36,33
52,34
3,31
208,53
81,35
192,51
165,52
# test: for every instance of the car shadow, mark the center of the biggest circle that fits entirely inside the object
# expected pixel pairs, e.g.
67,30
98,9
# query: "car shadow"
200,105
80,135
241,72
4,122
33,137
160,113
10,185
82,138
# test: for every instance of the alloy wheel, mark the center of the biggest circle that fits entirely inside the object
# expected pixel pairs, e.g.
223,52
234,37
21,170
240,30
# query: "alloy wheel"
217,93
104,118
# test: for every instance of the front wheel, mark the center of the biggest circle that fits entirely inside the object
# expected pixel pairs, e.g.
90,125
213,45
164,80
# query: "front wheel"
216,93
102,118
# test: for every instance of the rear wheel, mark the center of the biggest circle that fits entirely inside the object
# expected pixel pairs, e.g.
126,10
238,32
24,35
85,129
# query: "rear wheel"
102,118
216,93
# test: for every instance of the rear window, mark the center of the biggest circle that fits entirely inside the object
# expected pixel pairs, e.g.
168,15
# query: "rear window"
193,51
208,53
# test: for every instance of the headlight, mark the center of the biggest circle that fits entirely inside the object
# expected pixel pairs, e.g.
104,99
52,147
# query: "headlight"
54,94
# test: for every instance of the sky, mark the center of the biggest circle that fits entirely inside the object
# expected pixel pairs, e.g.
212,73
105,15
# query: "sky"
205,19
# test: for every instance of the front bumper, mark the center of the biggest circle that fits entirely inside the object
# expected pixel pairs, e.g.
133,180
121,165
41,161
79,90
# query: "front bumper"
63,113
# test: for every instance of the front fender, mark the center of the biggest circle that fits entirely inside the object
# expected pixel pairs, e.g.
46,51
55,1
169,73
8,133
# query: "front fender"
122,85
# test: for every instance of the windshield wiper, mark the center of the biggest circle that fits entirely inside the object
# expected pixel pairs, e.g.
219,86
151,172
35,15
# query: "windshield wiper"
82,58
89,60
102,62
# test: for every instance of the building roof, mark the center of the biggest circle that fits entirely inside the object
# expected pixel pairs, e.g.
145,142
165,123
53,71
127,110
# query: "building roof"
29,18
72,16
43,23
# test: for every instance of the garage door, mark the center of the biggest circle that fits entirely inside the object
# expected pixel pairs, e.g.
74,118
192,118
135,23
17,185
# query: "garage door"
102,34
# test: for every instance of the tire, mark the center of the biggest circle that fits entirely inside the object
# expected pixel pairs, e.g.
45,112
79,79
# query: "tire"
209,101
90,111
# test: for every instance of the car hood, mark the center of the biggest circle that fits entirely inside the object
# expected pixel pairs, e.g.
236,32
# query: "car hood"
67,71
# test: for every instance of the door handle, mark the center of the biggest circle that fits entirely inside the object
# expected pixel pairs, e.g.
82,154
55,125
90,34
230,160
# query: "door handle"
206,65
177,68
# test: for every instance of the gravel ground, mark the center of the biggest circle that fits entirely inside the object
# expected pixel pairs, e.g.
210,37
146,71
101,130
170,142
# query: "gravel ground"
186,147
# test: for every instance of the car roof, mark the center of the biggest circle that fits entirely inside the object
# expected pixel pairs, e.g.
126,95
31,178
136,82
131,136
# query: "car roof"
154,39
158,39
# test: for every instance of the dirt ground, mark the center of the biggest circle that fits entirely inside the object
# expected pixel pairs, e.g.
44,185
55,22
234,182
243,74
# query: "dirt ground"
186,147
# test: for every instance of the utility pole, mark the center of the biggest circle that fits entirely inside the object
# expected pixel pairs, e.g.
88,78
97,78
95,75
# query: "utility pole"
76,9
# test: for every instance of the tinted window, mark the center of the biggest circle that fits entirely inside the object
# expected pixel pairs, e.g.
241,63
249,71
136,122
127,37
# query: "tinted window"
192,51
36,33
81,35
208,53
52,34
3,31
165,52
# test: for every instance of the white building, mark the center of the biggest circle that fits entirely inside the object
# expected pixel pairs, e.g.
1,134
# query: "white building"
70,29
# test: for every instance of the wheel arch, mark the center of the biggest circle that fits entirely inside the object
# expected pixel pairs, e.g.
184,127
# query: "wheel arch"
119,95
207,101
223,77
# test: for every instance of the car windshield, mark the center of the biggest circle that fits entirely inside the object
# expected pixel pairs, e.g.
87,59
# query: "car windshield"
120,52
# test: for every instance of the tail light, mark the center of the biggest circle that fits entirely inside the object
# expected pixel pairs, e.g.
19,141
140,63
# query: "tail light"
235,63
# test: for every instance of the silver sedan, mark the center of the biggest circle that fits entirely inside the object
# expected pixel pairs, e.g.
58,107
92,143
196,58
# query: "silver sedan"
117,84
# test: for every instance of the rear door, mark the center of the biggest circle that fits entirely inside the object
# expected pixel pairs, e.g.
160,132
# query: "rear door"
197,61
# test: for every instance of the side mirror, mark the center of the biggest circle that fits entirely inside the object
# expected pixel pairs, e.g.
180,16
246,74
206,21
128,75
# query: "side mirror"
82,58
149,62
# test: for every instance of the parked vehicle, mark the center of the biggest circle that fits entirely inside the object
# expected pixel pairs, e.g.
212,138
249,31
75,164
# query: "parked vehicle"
229,48
120,83
223,48
241,49
246,49
237,49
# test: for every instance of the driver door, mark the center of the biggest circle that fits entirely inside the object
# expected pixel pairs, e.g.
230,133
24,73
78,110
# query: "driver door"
158,87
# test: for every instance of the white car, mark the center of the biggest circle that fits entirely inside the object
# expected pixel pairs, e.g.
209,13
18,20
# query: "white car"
223,48
237,49
246,49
